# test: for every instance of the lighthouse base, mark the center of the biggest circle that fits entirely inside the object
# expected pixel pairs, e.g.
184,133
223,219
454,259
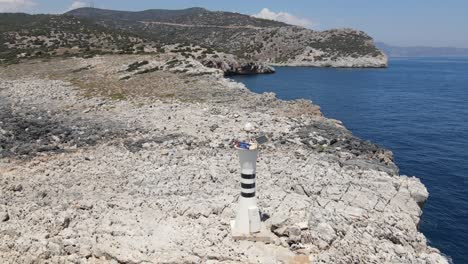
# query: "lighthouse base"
263,235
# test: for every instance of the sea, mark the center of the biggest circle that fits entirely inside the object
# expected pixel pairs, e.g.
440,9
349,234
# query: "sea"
418,108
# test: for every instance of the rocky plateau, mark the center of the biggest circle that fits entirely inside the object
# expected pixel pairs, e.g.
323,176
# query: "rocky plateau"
129,159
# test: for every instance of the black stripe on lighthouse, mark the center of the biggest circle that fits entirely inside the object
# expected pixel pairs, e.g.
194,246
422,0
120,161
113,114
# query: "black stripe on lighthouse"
248,185
248,195
248,189
248,176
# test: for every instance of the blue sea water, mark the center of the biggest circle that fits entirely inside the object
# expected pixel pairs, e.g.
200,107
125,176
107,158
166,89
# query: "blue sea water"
418,108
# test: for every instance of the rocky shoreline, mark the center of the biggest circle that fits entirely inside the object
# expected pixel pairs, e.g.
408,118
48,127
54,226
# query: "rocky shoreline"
345,62
100,164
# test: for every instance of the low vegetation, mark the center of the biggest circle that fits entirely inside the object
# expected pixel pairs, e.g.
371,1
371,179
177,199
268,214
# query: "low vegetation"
194,33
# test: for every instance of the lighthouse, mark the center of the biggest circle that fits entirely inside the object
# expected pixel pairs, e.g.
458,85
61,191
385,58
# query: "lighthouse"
247,221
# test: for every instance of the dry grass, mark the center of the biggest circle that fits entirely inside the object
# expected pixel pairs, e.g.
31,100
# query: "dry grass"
92,82
100,77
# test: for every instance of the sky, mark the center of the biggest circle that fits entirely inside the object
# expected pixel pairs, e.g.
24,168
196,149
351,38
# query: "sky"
397,22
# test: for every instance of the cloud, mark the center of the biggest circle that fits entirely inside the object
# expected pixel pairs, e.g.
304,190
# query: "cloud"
266,13
75,5
15,5
78,4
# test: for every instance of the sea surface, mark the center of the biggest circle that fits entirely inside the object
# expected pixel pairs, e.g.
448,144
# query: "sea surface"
418,108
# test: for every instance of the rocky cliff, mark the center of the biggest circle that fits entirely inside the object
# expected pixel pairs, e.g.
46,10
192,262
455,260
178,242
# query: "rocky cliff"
129,159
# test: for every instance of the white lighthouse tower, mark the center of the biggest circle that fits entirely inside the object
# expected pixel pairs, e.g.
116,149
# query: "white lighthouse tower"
247,221
248,216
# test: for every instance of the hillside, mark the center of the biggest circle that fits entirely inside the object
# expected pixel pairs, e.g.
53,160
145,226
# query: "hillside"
247,42
43,36
24,36
245,36
190,16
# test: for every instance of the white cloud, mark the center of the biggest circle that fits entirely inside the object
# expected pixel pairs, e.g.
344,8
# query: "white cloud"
75,5
266,13
78,4
15,5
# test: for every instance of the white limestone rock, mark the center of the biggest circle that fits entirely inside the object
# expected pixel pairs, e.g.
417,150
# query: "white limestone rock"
143,194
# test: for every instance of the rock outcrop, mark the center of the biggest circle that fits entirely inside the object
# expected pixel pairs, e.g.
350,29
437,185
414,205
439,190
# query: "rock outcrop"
234,67
380,61
96,168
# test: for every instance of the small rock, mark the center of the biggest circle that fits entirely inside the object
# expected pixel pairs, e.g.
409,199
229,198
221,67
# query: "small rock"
326,232
66,222
354,212
4,217
400,250
294,234
303,225
84,205
280,231
17,188
42,194
278,219
213,127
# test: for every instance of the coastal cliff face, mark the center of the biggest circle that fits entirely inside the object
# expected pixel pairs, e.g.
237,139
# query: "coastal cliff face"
129,158
253,42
